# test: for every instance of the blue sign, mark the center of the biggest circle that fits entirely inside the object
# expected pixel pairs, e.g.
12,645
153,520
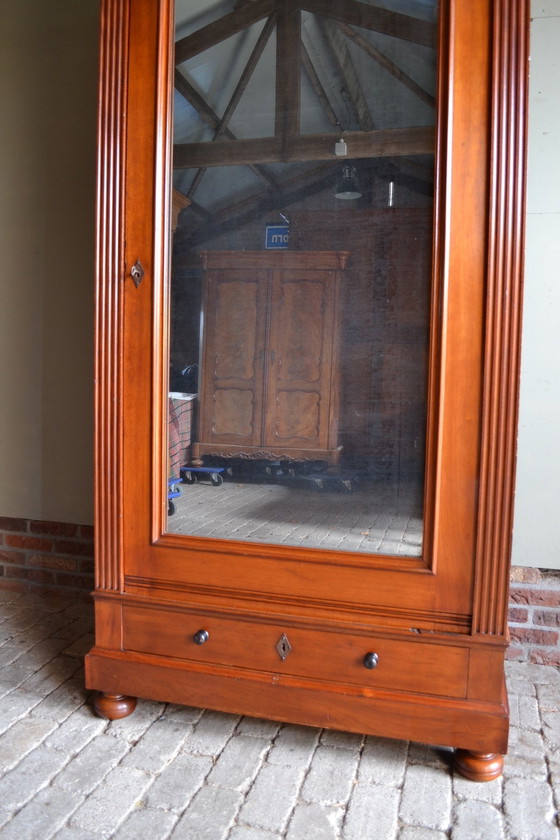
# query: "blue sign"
277,236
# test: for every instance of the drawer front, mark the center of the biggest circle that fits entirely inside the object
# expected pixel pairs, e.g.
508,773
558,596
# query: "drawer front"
410,665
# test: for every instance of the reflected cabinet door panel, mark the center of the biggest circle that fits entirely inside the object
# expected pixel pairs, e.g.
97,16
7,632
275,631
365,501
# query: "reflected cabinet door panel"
306,412
304,363
232,358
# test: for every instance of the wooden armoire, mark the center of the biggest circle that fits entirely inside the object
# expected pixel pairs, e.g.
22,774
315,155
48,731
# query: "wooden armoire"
269,386
404,647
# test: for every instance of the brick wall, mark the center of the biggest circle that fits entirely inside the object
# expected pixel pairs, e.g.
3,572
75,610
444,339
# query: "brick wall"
46,557
534,616
55,558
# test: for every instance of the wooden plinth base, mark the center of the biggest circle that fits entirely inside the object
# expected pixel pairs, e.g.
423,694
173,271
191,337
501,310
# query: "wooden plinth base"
399,715
478,767
114,706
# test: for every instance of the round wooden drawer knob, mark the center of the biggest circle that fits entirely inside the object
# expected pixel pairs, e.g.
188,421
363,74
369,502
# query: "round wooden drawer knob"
371,660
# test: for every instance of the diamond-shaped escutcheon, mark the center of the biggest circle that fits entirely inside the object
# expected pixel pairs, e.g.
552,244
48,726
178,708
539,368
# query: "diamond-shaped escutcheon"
283,647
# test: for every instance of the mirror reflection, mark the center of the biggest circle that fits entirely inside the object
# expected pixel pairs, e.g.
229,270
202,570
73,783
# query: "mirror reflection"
301,271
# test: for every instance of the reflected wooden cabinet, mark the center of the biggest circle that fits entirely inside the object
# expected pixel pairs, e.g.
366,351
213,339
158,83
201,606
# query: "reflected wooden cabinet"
269,386
409,647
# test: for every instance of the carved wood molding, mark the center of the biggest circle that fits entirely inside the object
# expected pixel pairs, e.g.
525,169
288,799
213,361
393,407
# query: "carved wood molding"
503,315
110,259
425,623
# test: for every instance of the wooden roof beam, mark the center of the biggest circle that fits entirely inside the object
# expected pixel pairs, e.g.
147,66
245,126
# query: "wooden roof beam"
221,29
353,12
387,64
288,69
211,118
361,144
380,20
246,75
235,98
259,204
318,87
309,181
347,70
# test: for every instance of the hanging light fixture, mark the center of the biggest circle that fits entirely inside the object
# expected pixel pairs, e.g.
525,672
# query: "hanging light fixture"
348,188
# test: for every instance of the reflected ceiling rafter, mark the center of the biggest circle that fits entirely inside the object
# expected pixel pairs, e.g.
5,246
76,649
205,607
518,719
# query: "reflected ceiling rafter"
317,85
288,64
221,29
288,144
246,75
352,88
204,214
211,118
390,142
234,216
378,20
351,11
244,79
387,64
241,212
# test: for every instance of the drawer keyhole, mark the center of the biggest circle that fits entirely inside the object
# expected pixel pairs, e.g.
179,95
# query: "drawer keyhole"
283,647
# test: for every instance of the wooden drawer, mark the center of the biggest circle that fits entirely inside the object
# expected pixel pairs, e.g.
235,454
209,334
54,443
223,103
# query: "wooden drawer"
410,665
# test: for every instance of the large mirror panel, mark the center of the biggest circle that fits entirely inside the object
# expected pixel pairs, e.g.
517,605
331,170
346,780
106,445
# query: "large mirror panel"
301,276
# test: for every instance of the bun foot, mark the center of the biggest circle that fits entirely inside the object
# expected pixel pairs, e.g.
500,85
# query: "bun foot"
478,767
114,706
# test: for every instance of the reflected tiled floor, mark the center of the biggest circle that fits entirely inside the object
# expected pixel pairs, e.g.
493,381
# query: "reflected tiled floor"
303,513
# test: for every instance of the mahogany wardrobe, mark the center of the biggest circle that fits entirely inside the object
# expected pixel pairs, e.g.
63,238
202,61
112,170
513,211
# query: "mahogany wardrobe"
399,636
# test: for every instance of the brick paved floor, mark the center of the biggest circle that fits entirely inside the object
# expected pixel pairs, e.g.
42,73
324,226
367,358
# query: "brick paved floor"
371,519
176,772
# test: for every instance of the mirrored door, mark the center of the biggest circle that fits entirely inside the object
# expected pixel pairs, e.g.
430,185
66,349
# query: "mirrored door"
301,272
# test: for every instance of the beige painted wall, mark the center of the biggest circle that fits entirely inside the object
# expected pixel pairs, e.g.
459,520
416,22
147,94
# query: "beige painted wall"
48,69
535,533
48,56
